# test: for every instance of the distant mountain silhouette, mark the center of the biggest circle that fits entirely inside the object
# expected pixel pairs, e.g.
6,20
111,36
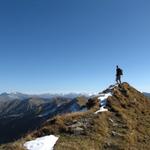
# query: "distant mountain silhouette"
20,96
146,94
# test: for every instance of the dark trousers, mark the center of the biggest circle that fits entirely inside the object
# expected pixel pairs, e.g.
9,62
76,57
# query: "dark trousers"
118,79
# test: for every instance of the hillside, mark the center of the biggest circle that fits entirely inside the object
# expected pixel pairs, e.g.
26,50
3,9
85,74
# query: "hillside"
125,126
17,117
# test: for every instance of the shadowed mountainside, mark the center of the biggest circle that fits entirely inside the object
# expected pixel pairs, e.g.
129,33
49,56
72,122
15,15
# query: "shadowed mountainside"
19,117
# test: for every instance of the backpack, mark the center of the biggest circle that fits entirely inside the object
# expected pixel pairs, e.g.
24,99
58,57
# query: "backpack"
121,72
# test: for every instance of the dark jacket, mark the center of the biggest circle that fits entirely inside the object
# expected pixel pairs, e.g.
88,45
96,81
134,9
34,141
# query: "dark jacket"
119,72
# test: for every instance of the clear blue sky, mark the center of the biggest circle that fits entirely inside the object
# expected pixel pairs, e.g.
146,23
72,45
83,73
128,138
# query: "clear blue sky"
73,45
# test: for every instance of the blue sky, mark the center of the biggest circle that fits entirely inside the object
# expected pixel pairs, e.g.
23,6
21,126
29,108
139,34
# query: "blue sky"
73,45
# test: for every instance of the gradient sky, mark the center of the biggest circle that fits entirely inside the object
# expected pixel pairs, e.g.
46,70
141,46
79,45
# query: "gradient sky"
73,45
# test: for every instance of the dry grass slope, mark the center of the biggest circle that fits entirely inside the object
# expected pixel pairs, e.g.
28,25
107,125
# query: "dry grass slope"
126,126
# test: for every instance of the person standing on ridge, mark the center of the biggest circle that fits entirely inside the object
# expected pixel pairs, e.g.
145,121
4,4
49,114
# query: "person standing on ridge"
119,72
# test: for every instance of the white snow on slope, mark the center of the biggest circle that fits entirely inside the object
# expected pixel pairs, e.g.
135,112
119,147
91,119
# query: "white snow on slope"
103,101
42,143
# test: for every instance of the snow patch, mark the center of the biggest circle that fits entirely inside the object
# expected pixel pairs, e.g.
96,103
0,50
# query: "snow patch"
42,143
104,96
113,86
102,109
103,100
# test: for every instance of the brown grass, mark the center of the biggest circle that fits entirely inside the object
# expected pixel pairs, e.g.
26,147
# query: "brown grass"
125,127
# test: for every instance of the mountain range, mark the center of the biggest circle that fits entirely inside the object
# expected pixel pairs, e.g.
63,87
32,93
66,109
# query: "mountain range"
115,119
18,116
21,96
146,94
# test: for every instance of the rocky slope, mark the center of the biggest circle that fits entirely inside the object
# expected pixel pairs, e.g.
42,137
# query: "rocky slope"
125,126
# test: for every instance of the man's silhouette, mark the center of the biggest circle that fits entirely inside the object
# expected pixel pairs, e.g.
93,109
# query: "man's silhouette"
119,72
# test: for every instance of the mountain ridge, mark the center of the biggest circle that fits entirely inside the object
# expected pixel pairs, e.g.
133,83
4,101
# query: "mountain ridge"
21,96
126,124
